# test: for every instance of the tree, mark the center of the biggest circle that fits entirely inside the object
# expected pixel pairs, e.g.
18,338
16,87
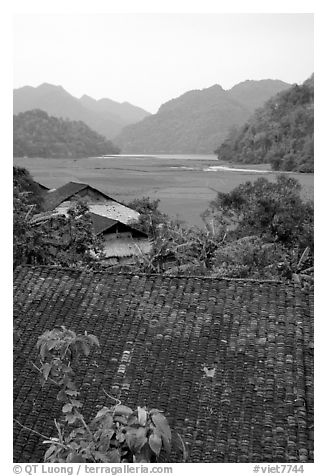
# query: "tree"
151,217
55,240
273,211
25,185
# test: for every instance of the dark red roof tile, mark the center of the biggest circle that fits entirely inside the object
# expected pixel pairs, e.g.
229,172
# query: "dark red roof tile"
229,361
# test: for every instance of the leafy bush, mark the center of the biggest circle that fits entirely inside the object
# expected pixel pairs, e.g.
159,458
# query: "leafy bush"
24,184
116,433
151,217
57,240
273,211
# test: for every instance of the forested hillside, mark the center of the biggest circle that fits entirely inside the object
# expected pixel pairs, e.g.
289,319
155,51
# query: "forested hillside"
198,120
280,133
38,135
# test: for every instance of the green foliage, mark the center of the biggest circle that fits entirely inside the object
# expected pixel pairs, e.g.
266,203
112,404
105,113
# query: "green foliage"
248,256
25,185
38,135
273,211
253,257
116,434
151,217
280,133
180,250
58,240
260,230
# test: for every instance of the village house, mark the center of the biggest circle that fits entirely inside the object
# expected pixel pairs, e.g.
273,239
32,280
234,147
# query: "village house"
122,243
111,219
62,198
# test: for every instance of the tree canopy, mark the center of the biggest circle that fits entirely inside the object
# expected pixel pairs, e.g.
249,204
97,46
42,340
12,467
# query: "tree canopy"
259,230
57,240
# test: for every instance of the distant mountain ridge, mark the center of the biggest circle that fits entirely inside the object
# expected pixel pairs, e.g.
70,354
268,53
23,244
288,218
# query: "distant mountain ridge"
198,120
105,116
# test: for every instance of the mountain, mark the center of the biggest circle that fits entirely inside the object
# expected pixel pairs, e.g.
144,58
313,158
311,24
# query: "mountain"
105,116
124,112
198,120
253,94
280,133
36,134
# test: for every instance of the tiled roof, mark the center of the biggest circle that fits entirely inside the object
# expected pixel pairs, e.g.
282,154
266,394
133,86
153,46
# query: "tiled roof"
229,361
61,194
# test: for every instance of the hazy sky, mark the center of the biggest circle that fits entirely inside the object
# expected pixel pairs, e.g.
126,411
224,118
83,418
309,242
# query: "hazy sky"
147,59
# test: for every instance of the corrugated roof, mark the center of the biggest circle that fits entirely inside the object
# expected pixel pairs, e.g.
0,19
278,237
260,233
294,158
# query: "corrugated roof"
230,362
101,223
115,211
54,198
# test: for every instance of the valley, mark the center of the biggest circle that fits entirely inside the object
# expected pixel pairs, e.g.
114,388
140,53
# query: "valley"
179,181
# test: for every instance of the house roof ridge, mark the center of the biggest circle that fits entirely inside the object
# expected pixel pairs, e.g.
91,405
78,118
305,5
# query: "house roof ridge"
181,276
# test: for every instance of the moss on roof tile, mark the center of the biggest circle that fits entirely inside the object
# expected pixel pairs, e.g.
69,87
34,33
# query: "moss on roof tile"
229,362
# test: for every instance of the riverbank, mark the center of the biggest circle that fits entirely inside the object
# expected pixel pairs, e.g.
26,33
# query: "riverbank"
181,184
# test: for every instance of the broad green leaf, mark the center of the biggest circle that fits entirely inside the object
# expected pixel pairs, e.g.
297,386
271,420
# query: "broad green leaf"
62,395
70,418
180,445
144,455
153,411
43,350
67,408
99,456
142,415
77,403
114,456
50,451
107,422
155,443
85,348
131,438
75,458
132,420
123,410
120,436
102,412
93,339
46,369
52,344
71,393
120,419
163,428
140,439
71,385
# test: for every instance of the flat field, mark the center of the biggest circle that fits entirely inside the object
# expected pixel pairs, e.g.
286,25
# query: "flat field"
181,183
